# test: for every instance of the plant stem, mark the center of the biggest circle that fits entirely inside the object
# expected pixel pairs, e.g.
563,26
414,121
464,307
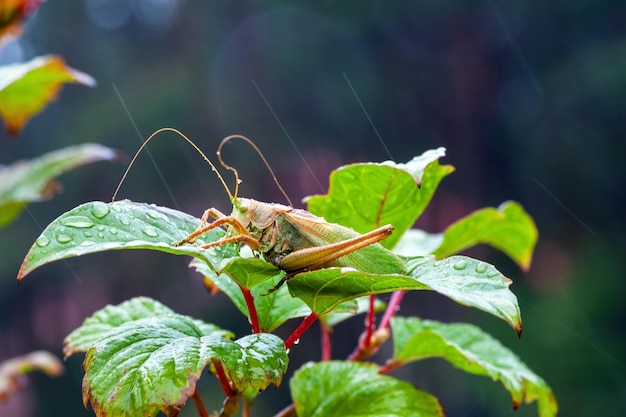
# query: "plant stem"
221,376
392,309
197,399
370,321
289,411
254,318
327,332
295,336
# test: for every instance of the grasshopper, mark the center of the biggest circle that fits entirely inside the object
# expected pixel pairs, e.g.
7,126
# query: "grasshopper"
294,240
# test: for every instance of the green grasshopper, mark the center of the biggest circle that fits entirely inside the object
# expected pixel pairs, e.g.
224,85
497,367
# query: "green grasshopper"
294,240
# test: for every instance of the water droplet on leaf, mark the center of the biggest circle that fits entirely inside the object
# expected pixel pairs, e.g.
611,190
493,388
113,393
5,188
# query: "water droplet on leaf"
64,239
42,241
150,231
481,267
460,265
113,231
124,220
100,210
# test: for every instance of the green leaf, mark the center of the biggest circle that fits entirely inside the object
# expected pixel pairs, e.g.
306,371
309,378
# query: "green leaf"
12,369
362,306
469,282
350,389
474,351
366,196
96,226
273,309
26,88
31,181
325,289
508,228
465,280
417,242
112,316
153,364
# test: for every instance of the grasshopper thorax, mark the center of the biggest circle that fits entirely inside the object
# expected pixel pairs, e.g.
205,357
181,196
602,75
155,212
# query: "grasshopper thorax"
253,214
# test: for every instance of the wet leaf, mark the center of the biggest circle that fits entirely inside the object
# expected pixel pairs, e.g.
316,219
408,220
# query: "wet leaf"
152,364
31,181
112,316
508,228
366,196
473,351
26,88
350,389
13,369
97,226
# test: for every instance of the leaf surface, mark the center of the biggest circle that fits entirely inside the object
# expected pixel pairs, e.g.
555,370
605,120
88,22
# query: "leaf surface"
12,13
112,316
507,228
26,88
12,369
97,226
474,351
350,389
31,181
368,195
153,364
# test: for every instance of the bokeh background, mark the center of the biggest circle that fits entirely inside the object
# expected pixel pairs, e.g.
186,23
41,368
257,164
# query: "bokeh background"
528,97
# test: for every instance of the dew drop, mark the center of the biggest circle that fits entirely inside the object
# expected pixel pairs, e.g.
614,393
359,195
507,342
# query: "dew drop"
153,214
101,228
493,274
100,210
87,243
113,231
297,341
481,267
150,231
64,239
460,265
79,223
101,235
42,241
124,220
88,234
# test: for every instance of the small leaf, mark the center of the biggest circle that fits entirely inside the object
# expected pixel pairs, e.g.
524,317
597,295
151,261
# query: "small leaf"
469,282
11,370
473,351
153,364
350,389
273,309
12,13
97,226
104,320
25,89
417,242
508,228
366,196
31,181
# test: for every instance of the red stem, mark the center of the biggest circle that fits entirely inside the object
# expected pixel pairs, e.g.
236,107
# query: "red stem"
392,309
327,349
371,319
295,336
221,376
288,411
254,317
202,412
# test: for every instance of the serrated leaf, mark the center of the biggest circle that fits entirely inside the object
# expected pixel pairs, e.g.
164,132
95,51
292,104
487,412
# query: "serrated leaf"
508,228
469,282
362,306
366,196
31,181
26,88
97,226
13,369
474,351
108,318
350,389
273,309
153,364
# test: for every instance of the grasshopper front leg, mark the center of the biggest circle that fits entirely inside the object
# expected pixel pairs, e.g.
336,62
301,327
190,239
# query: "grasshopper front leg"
241,235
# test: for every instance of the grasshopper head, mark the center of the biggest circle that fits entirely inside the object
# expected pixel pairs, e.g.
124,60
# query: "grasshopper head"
255,213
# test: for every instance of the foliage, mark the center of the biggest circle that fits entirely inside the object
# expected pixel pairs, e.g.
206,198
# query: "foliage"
164,353
13,369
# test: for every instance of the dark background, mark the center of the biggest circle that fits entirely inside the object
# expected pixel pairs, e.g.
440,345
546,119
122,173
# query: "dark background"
528,98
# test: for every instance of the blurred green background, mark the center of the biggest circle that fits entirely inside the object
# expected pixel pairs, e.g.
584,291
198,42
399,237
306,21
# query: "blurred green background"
528,97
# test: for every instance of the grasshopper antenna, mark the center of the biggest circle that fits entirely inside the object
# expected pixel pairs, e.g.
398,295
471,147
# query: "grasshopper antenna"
179,133
258,151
